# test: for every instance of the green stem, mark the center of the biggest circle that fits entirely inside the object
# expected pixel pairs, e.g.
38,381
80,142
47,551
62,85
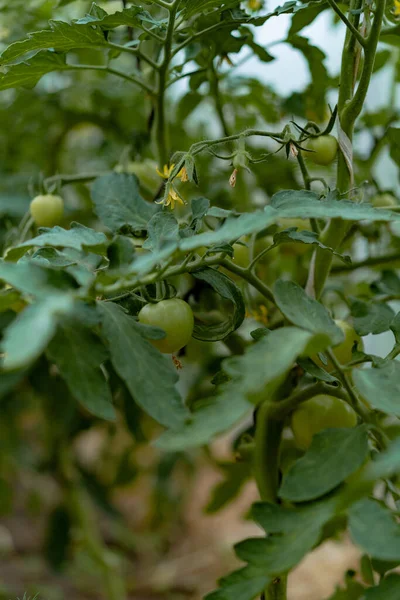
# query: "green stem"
281,410
63,179
372,261
354,30
266,472
129,50
394,352
184,75
161,123
266,451
203,145
131,285
111,71
195,36
215,91
364,413
307,184
277,590
249,277
349,107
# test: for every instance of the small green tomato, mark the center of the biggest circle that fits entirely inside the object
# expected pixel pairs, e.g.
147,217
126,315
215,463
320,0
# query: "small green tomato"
384,201
323,149
175,317
319,413
47,210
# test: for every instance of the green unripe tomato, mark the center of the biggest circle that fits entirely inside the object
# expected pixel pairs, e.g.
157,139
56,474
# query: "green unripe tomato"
145,171
324,149
47,210
343,351
384,201
319,413
175,317
291,249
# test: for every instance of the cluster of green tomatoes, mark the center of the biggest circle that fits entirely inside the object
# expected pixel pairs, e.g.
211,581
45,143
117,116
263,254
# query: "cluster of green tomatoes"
175,316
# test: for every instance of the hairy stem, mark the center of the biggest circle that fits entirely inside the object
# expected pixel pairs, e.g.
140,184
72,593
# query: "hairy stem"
161,122
266,472
349,107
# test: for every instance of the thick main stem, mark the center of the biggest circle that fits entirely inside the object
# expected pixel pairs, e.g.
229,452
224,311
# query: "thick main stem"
266,473
349,107
161,122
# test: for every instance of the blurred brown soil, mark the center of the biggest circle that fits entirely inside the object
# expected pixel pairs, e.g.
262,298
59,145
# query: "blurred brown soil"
201,551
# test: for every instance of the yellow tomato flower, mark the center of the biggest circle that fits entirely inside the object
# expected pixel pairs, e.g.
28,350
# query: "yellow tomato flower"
396,8
183,175
254,4
170,197
260,314
167,170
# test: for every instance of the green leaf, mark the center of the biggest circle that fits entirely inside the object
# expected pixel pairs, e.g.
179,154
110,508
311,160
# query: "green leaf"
133,16
78,354
256,375
77,237
315,371
118,203
304,205
232,229
315,60
225,287
34,280
62,37
371,317
304,237
149,375
301,204
162,227
292,533
120,253
380,387
243,584
333,455
190,8
235,475
305,312
27,74
373,527
388,589
304,17
13,205
27,337
353,591
199,207
391,35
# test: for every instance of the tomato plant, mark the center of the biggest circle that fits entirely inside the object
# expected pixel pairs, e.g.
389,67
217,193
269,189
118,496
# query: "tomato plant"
185,146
